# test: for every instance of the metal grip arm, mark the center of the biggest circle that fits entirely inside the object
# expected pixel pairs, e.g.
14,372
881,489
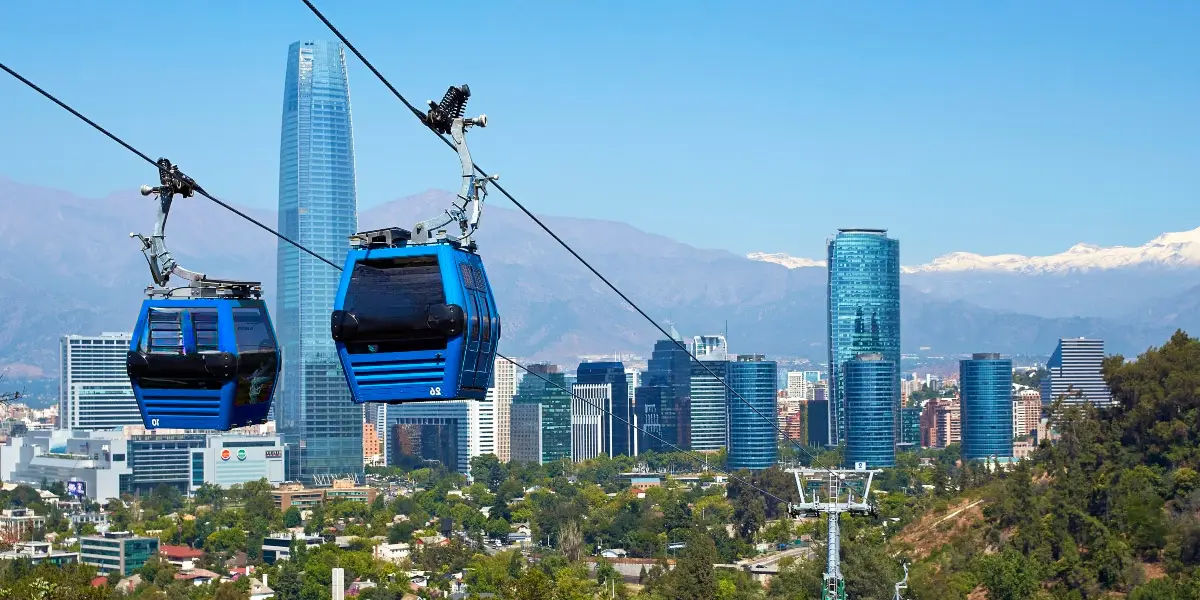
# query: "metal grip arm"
446,117
162,264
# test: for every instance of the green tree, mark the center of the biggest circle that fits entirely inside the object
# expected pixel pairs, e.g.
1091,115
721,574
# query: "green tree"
693,577
1010,576
533,585
486,468
291,517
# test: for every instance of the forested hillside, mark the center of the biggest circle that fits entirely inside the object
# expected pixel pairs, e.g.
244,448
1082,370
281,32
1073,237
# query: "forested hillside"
1112,507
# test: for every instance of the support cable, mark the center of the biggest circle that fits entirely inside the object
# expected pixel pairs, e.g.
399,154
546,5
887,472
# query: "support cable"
558,239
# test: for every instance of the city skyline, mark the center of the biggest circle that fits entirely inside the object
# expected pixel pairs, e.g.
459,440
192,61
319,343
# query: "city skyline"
1066,124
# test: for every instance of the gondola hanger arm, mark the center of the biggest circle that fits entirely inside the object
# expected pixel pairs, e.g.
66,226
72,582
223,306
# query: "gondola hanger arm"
447,117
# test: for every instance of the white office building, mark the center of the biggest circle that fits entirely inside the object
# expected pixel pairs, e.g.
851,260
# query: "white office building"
1075,373
633,379
94,391
110,463
500,395
591,420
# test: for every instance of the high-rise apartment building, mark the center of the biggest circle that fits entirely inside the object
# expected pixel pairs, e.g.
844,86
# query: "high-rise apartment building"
1075,373
375,413
317,208
500,394
618,426
663,402
1027,412
752,439
941,423
372,453
869,382
546,385
94,391
864,310
986,410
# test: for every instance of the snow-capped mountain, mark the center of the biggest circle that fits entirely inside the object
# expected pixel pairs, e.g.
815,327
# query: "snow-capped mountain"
779,258
1180,249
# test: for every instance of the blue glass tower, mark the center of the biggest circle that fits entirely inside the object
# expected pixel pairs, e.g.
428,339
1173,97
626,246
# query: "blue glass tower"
871,387
621,423
663,401
320,424
751,437
986,383
864,311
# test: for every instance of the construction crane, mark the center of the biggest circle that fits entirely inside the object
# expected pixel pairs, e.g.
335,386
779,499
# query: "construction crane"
839,497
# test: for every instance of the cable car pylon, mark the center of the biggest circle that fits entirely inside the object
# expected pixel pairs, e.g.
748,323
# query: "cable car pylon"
839,498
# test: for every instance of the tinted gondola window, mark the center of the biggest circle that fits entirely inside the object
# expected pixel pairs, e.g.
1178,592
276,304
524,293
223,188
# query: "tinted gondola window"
164,332
171,364
253,330
391,298
257,358
487,320
204,324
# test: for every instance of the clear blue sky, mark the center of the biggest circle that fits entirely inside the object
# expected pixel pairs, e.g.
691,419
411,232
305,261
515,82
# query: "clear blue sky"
985,127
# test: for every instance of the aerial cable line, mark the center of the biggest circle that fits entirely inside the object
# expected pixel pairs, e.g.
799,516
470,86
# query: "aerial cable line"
199,189
146,157
560,241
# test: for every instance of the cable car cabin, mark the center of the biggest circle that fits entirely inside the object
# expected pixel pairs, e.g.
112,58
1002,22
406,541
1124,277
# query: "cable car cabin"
208,363
415,323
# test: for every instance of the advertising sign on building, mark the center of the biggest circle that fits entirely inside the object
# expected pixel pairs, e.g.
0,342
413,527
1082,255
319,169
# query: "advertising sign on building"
76,488
225,454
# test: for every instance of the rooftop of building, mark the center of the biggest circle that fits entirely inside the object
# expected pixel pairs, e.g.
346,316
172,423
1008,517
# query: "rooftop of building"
179,552
862,230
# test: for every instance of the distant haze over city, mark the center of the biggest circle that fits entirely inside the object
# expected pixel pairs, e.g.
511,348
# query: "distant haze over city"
555,310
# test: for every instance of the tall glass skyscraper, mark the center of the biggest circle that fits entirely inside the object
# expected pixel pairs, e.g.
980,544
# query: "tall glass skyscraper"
752,439
870,384
621,420
316,418
663,401
986,412
555,403
864,310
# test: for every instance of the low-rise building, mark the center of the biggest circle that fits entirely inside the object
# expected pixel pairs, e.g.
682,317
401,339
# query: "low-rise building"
39,552
183,557
118,551
294,494
19,523
279,546
105,464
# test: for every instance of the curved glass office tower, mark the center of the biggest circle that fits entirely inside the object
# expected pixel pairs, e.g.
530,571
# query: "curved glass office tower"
871,388
864,310
752,439
986,382
319,423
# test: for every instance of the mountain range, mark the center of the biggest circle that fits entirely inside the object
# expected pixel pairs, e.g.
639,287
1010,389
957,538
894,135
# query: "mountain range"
1180,249
67,265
